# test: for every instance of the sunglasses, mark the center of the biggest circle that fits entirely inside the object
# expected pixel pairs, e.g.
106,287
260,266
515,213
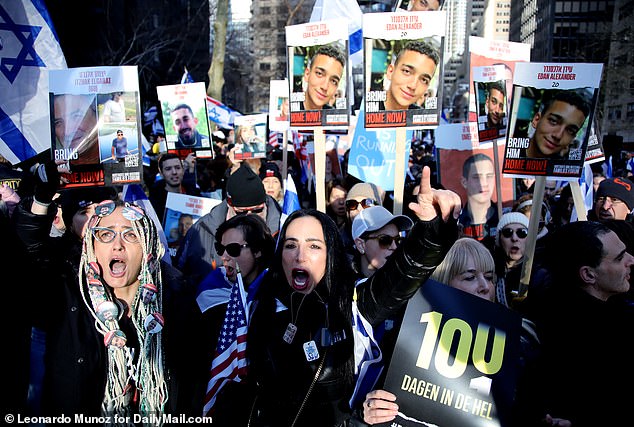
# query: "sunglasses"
233,249
385,241
520,232
353,204
107,235
243,211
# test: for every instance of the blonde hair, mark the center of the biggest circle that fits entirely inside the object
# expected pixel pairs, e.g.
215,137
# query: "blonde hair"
458,256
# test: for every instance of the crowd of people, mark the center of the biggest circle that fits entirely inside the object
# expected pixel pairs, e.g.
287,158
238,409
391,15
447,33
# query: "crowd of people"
127,332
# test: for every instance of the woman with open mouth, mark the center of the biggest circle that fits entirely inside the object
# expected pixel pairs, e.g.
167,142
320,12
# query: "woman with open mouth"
120,334
300,339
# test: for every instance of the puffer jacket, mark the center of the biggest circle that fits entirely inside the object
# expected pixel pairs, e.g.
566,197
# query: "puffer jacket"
280,372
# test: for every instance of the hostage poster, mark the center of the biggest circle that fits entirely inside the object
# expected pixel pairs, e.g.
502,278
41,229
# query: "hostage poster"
549,128
455,360
318,73
94,125
403,68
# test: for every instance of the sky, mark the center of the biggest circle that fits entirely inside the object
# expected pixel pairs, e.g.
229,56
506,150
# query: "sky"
241,10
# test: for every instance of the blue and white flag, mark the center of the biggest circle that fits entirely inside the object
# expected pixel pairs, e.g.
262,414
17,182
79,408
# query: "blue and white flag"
220,114
349,10
29,47
291,199
587,190
134,193
187,78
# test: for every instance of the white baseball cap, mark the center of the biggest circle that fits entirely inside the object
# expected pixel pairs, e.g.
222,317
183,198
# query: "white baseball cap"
376,217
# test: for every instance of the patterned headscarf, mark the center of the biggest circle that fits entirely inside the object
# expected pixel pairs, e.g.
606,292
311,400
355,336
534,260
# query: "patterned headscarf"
147,373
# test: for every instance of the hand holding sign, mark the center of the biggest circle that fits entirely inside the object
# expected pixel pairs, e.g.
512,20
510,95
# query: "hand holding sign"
379,407
432,202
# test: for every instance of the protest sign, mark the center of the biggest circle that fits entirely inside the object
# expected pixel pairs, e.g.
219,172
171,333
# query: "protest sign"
95,121
181,212
552,107
455,361
184,108
250,136
318,71
403,68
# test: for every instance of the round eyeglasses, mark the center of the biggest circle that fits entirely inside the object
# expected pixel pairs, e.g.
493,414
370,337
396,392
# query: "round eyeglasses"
107,235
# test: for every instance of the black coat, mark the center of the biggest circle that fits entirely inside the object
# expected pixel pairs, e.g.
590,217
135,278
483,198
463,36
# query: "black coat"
75,360
281,371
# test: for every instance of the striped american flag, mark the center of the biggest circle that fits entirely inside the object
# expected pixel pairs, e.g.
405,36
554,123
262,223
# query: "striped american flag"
273,139
229,362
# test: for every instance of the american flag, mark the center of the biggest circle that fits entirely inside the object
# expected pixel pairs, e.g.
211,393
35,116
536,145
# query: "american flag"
273,139
229,361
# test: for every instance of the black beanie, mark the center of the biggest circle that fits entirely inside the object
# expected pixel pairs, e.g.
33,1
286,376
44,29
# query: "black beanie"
74,199
620,188
270,169
245,188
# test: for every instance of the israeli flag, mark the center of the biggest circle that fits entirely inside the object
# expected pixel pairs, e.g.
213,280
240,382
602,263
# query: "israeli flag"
29,47
220,114
134,193
349,10
291,199
187,78
587,190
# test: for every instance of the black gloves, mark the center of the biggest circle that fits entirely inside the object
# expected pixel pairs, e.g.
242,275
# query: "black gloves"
46,181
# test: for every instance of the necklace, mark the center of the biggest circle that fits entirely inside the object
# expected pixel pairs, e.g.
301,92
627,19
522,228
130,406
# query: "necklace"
291,328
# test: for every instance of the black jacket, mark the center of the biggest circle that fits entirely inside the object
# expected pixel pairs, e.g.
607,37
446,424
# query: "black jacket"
75,360
281,371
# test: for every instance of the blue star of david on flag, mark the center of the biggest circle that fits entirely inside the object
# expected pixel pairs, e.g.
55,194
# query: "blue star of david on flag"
26,35
29,48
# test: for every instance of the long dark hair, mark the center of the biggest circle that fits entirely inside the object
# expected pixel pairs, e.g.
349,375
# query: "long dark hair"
338,279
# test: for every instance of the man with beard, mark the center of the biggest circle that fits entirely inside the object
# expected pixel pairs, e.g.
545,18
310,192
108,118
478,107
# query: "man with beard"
185,122
494,105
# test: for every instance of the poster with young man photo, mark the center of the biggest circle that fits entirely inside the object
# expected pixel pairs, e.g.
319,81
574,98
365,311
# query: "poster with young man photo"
318,74
186,121
402,68
84,136
488,52
490,91
553,104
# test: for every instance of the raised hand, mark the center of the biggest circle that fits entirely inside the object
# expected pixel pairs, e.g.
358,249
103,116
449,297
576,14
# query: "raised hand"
432,202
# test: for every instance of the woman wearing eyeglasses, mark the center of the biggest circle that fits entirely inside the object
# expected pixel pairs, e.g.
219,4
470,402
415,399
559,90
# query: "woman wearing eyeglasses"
101,358
300,339
246,247
510,244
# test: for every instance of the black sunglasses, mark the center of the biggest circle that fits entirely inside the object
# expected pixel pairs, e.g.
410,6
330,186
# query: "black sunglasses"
385,241
233,249
521,232
353,204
